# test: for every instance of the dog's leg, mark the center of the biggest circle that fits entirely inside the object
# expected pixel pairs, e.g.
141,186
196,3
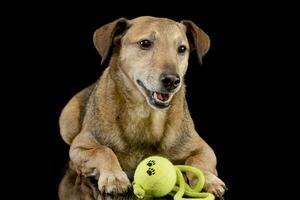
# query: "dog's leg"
206,161
71,117
93,159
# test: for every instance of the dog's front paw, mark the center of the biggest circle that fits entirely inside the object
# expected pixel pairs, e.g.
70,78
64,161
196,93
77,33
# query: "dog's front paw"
113,182
214,185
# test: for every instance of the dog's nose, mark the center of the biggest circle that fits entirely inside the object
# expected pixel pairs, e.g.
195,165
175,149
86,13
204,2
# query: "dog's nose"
170,81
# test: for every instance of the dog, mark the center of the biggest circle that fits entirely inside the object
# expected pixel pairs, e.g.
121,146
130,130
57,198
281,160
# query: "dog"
137,107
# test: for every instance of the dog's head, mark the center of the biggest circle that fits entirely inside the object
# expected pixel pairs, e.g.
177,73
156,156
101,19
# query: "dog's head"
153,53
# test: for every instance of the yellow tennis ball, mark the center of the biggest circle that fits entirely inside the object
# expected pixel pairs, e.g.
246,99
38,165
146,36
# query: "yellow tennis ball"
155,176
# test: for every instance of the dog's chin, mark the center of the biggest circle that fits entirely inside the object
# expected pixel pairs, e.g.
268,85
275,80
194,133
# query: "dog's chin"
156,99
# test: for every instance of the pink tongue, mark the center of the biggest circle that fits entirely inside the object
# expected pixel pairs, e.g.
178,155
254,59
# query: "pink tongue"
162,97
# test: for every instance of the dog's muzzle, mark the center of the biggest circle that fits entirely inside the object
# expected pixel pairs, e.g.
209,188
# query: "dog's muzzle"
156,99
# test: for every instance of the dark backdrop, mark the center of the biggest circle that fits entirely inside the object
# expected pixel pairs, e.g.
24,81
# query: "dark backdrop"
228,95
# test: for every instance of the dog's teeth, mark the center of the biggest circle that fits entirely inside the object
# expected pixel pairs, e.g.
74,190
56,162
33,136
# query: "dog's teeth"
156,96
159,96
163,97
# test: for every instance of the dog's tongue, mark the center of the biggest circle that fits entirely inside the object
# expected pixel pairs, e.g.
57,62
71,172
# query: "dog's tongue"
163,96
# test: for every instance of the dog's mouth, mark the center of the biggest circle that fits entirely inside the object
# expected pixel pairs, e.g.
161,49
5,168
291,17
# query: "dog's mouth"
156,99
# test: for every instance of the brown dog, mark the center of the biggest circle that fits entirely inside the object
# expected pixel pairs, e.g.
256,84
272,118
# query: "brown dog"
138,108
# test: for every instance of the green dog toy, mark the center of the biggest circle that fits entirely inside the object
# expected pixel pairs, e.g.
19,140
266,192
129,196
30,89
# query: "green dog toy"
157,177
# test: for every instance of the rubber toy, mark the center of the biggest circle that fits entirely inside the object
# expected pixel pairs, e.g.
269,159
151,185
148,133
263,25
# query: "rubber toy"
156,176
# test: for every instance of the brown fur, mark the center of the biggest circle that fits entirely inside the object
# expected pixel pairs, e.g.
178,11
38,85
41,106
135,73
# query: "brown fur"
111,126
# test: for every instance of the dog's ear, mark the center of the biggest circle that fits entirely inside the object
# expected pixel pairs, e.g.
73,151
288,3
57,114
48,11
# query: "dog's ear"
198,39
104,36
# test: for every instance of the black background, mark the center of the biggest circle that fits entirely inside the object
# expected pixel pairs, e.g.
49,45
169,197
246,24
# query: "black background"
230,96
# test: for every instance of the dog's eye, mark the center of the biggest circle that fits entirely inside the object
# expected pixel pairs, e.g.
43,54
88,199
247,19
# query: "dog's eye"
145,44
181,49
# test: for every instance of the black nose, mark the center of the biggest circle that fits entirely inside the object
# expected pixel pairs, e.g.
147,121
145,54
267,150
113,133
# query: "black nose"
170,81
